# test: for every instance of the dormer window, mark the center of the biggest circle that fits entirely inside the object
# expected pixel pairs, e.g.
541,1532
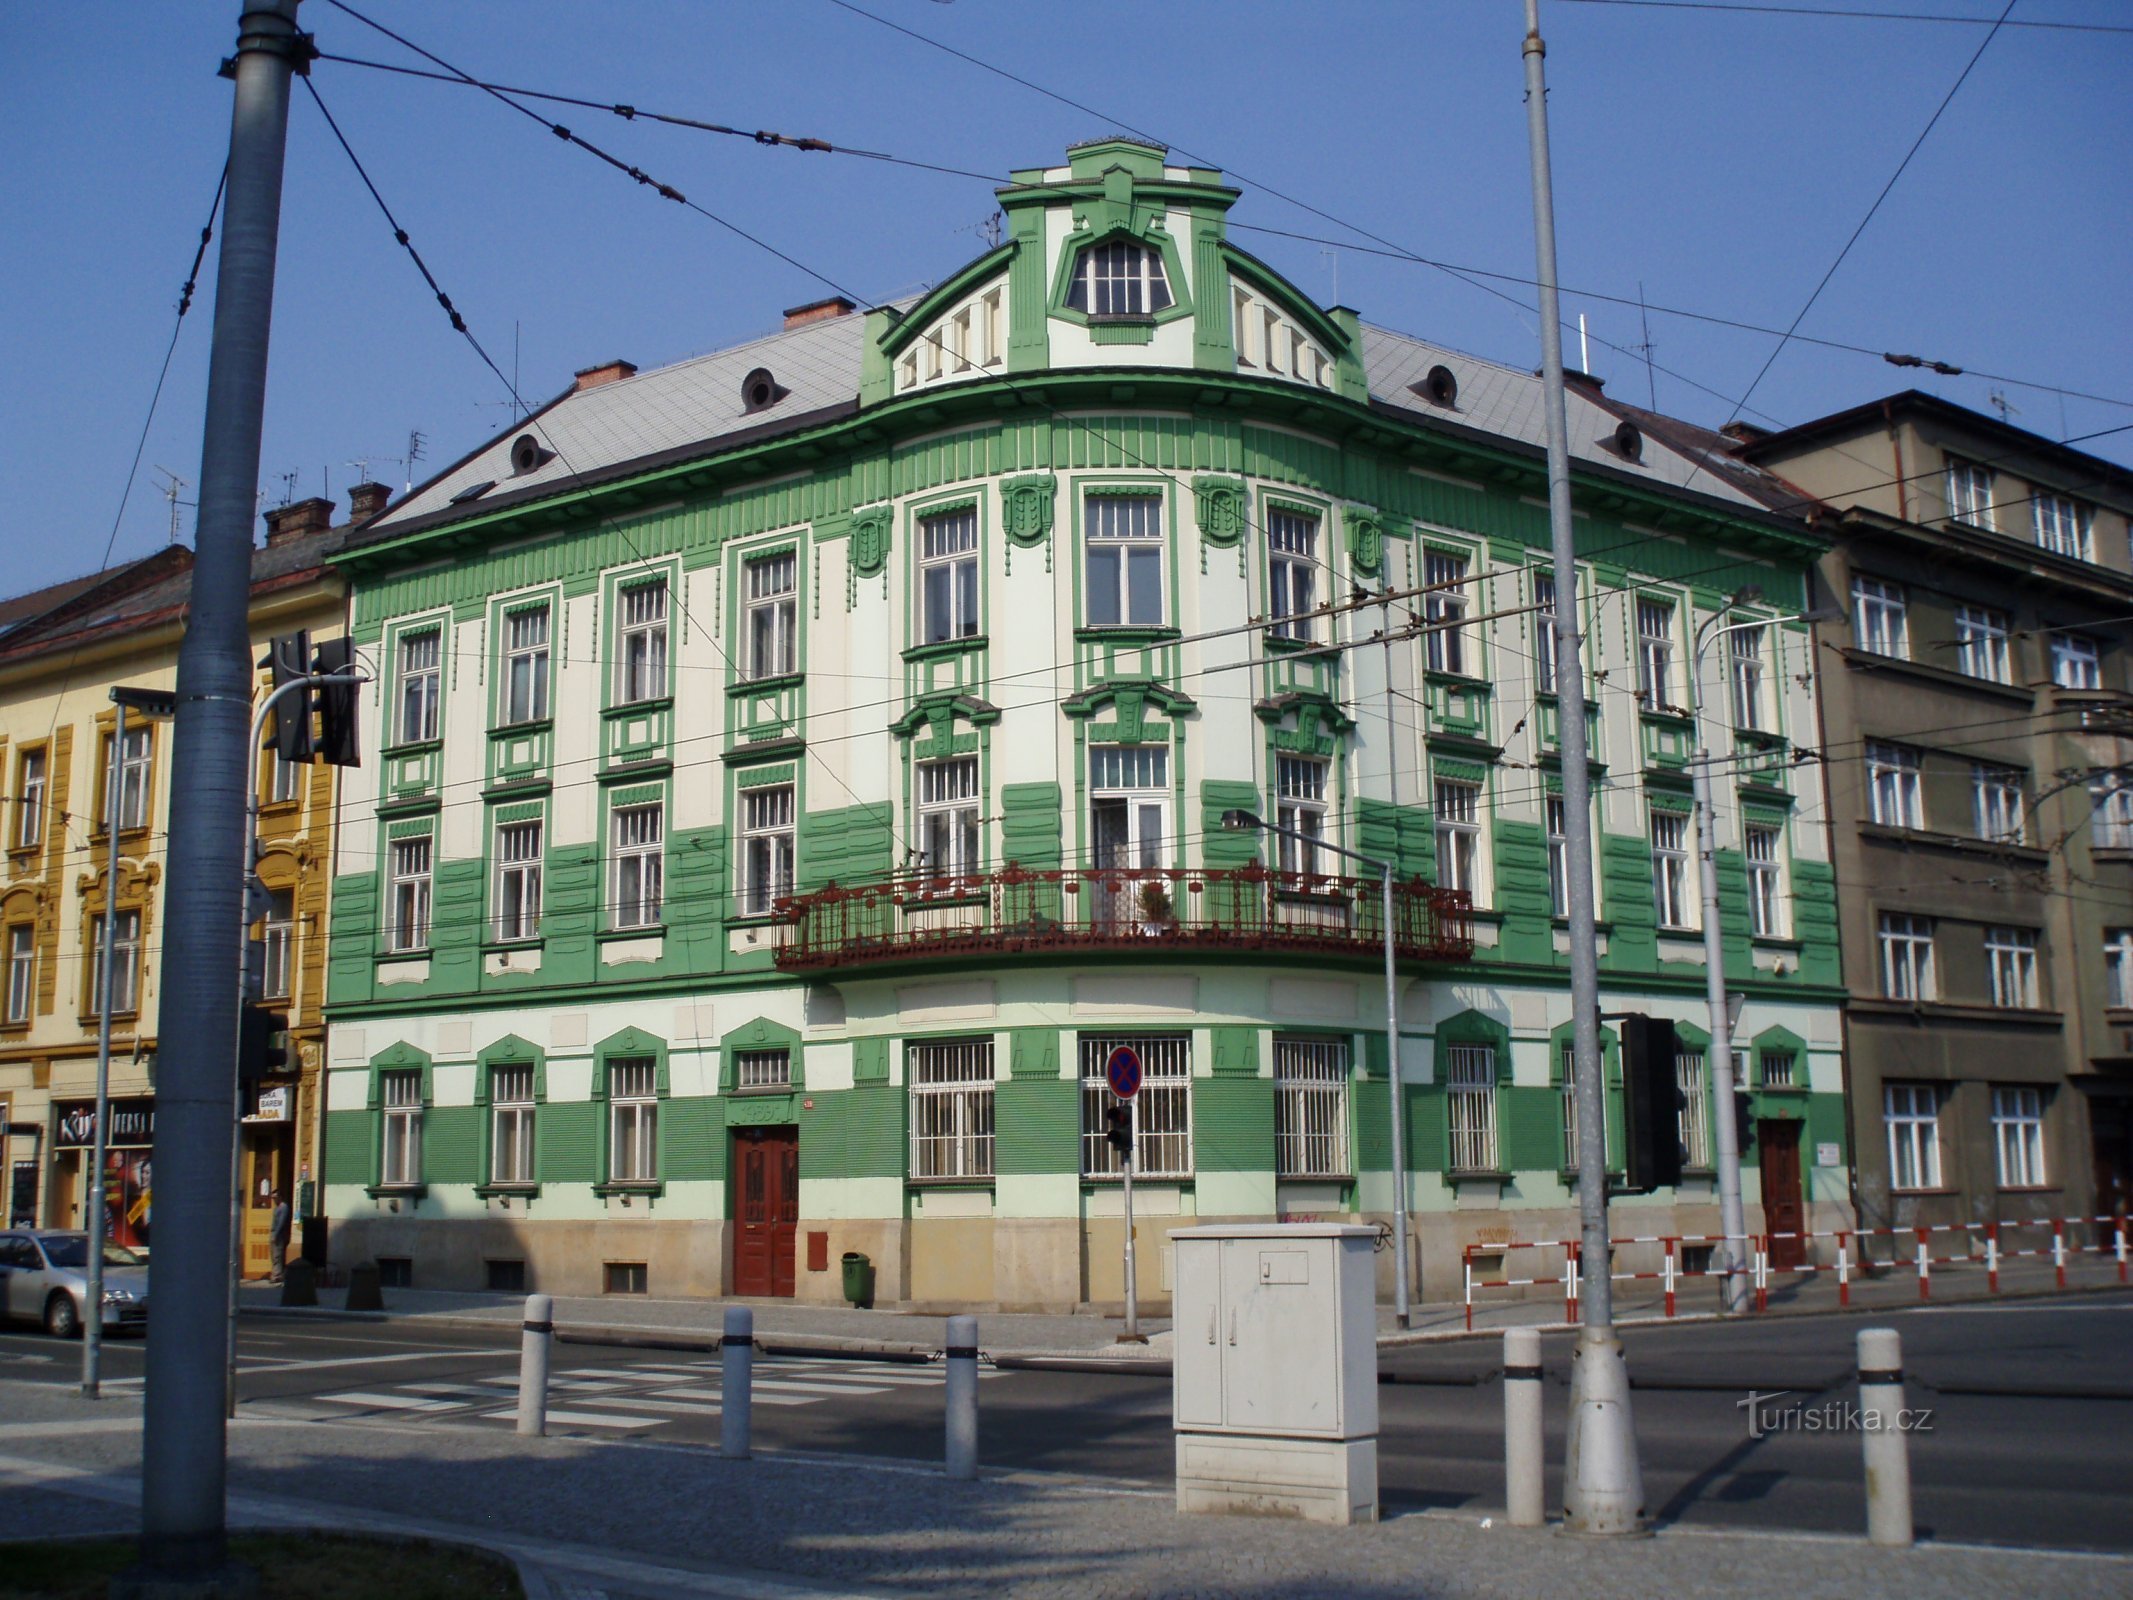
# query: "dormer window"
1120,278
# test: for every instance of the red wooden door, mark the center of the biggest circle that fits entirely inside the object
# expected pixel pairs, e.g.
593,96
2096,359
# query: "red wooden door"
1783,1210
766,1209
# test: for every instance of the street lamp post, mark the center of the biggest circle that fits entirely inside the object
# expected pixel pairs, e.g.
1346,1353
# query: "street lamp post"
1248,821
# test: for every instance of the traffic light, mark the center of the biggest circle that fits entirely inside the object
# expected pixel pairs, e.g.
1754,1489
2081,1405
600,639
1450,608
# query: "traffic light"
290,657
262,1043
1743,1121
1118,1128
336,703
1652,1113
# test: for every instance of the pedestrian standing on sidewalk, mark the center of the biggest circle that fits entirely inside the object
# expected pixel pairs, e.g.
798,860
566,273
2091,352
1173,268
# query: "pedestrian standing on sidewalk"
278,1234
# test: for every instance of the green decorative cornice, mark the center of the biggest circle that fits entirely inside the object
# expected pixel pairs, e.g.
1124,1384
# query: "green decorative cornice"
1118,691
900,334
937,714
1320,722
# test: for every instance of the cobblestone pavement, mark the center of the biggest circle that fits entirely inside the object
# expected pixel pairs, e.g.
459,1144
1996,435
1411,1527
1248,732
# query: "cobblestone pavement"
621,1519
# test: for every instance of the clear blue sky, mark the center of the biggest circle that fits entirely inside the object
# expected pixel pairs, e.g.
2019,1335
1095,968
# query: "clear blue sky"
1718,159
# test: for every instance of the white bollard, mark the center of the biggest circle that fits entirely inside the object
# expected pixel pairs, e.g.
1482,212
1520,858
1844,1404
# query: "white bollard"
962,1397
736,1372
1888,1452
1524,1470
533,1365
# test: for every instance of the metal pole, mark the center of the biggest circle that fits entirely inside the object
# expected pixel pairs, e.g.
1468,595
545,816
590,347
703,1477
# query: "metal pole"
736,1357
92,1333
1603,1490
1400,1309
1132,1335
1733,1287
1524,1474
184,1464
1887,1451
962,1396
535,1337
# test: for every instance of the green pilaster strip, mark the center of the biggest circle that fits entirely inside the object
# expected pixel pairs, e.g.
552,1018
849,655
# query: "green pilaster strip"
1626,902
1406,834
870,1060
1528,936
1033,1053
1236,1052
1732,869
1029,338
1814,922
350,959
1213,339
1219,847
1030,824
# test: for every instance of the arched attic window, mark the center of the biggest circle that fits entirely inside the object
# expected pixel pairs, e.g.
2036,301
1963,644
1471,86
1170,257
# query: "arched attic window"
1120,278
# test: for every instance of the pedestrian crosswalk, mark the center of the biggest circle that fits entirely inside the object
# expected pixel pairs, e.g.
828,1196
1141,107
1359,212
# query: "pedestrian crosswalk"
634,1396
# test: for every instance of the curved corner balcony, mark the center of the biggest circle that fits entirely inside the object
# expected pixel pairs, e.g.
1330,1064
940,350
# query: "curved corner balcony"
1121,911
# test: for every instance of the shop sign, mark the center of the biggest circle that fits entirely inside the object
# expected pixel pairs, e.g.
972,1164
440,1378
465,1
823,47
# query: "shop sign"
133,1124
273,1105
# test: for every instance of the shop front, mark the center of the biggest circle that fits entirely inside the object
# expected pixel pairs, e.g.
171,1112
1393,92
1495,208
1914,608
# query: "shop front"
129,1156
266,1164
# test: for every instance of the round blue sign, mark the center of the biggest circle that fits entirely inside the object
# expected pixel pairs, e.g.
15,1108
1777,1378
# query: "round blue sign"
1123,1072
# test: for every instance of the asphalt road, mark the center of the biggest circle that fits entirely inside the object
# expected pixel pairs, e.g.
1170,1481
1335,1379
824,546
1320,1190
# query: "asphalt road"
2029,1441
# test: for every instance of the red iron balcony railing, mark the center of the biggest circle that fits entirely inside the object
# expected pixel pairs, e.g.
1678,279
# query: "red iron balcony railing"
1020,911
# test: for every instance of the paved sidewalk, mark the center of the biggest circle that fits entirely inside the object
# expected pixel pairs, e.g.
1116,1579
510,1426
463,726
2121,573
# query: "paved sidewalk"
601,1520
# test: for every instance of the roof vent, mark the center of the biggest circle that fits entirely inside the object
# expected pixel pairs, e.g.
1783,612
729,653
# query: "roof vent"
527,455
1628,442
1439,388
818,311
760,391
473,491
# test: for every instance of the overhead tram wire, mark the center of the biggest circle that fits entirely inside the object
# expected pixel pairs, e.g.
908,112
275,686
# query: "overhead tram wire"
1838,14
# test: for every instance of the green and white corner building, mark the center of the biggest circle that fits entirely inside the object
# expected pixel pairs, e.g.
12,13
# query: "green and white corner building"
802,764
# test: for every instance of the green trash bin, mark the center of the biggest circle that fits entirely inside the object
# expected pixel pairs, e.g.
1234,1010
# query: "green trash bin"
858,1278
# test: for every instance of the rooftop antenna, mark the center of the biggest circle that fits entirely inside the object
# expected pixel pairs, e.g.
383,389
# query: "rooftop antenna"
415,442
170,492
362,468
288,487
1999,402
1651,383
988,230
1584,348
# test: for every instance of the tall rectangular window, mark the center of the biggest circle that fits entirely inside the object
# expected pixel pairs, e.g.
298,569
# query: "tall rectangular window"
639,865
1880,618
125,964
1568,1095
948,575
29,800
1300,782
1970,493
2118,967
1750,677
1458,809
766,848
1996,801
21,971
1766,881
1162,1110
518,880
948,819
773,615
1292,573
2018,1137
526,664
633,1120
1444,608
2077,663
285,779
1981,644
1693,1119
511,1124
1558,830
1655,653
1311,1108
400,1098
1907,957
1892,786
1122,552
1912,1113
2111,813
951,1085
2062,524
2011,964
641,659
1670,869
280,944
407,904
1544,633
421,684
1470,1106
133,768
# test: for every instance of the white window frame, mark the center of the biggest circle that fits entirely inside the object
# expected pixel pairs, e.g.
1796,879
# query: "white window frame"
762,1069
771,614
1120,278
952,1084
135,762
1673,894
1911,1112
421,670
1163,1110
1693,1120
1970,494
1544,654
2062,524
2018,1136
1907,958
125,963
948,599
2118,968
1444,611
1555,823
1749,677
21,971
641,634
636,894
1981,648
1122,544
1881,623
1780,1077
518,880
633,1120
1567,1095
278,938
2111,815
285,779
1470,1107
511,1122
2077,661
1997,807
948,808
1292,572
411,866
29,799
1894,798
1311,1077
769,845
400,1132
1300,789
2011,967
528,630
1456,807
1655,652
1763,845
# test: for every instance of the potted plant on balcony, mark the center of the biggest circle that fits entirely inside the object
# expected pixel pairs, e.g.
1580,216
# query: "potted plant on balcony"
1157,913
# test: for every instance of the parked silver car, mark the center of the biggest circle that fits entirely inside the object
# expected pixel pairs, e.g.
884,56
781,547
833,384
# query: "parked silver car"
44,1277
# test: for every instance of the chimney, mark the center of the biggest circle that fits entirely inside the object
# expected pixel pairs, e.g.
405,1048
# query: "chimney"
298,517
366,500
605,372
1744,432
818,311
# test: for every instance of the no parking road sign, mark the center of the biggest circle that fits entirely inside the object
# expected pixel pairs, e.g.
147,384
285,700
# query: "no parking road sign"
1123,1072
